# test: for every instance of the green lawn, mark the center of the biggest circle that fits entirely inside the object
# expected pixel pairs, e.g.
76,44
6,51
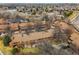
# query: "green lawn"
56,42
32,50
5,50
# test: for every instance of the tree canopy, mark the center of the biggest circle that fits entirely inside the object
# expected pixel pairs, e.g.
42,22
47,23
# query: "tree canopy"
6,40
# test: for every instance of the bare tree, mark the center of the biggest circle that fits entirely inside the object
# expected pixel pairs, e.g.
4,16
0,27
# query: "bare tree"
60,34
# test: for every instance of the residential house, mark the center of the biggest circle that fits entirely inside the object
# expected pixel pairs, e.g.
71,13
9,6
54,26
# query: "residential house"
28,39
14,26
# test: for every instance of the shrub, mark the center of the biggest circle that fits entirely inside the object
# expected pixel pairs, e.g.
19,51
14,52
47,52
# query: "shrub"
6,40
15,50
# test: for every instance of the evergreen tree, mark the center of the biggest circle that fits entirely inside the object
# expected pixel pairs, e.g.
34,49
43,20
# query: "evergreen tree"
6,40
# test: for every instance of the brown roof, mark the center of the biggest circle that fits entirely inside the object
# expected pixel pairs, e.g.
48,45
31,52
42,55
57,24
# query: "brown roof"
27,24
14,26
64,25
2,21
2,27
32,36
75,38
2,30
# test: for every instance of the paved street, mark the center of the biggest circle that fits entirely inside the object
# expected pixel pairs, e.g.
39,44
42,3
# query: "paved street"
75,21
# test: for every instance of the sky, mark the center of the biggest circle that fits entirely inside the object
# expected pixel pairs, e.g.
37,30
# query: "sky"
39,1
